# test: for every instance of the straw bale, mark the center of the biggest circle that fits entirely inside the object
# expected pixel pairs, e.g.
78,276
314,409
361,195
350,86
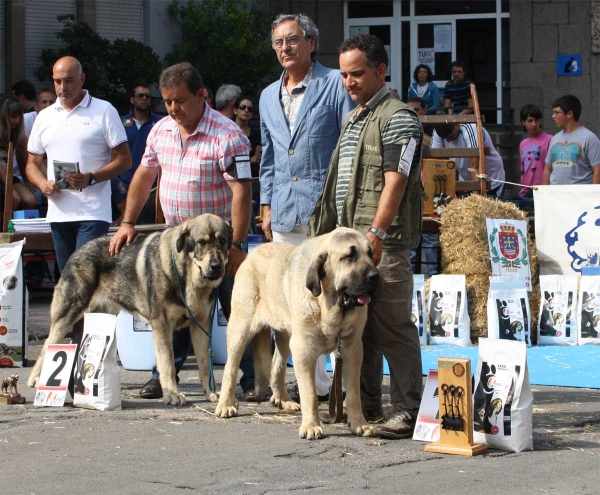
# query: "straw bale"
464,244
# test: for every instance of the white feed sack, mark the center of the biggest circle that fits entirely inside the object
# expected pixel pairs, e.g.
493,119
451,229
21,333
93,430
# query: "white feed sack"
502,401
589,311
508,312
418,307
449,321
558,310
13,306
97,374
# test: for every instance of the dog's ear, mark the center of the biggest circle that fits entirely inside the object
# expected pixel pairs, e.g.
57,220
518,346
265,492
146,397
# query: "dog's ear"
183,235
316,271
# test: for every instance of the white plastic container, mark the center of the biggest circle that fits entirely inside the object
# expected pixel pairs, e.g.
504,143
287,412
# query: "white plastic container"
135,343
219,336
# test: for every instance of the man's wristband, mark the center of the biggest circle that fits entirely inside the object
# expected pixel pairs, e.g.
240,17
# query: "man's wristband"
128,223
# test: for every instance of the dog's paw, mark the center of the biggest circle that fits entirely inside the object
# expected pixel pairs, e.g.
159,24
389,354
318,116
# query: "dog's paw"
289,405
212,396
33,381
311,432
173,398
365,430
223,411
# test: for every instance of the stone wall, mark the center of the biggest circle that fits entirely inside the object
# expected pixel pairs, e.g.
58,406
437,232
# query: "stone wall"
539,31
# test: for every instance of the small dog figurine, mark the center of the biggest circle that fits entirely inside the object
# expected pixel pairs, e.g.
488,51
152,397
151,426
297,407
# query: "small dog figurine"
9,384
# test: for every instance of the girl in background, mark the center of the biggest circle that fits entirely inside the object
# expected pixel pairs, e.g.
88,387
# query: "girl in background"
12,131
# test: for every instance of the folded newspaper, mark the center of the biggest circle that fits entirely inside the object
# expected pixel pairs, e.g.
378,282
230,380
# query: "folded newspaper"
28,225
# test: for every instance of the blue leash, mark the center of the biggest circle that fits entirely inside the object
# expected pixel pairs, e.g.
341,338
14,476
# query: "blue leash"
211,379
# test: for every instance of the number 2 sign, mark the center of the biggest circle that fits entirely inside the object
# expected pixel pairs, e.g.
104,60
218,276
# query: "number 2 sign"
55,376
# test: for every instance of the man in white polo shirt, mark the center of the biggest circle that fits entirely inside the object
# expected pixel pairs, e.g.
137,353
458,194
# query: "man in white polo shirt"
86,142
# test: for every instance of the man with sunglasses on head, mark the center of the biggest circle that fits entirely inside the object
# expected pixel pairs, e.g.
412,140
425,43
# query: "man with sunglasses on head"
138,123
301,116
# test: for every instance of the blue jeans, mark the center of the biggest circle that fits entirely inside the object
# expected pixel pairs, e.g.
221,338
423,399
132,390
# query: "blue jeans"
70,236
182,341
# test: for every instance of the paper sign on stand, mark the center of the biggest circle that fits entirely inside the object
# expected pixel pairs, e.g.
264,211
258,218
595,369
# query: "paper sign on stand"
427,428
509,253
55,376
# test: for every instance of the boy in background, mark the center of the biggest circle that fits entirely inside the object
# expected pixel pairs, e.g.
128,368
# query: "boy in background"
574,153
533,149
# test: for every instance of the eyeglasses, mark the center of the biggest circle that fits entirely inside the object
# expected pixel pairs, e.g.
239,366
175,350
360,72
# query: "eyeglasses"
246,107
141,96
292,41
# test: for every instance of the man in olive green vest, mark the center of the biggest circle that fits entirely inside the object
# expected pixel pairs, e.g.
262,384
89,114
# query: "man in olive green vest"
373,185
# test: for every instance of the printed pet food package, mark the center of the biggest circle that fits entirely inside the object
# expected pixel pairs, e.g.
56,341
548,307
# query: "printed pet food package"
589,310
558,310
449,321
502,401
97,375
418,307
14,302
508,312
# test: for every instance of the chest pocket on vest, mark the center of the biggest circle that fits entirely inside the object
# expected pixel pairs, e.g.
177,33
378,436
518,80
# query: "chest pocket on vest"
369,179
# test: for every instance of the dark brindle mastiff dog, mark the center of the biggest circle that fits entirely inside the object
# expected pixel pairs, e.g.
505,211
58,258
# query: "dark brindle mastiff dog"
309,295
141,280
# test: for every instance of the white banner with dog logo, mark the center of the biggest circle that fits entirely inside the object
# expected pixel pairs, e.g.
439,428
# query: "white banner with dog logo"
567,227
509,254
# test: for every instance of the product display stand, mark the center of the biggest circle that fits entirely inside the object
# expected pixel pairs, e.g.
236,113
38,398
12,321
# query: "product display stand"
456,409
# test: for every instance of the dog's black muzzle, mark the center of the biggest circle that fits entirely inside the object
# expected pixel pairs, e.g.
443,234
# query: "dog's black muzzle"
359,296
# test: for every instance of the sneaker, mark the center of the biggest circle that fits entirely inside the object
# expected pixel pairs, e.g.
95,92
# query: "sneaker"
399,424
374,416
321,399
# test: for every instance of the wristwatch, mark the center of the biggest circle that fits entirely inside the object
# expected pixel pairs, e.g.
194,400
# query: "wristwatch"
241,245
93,180
380,233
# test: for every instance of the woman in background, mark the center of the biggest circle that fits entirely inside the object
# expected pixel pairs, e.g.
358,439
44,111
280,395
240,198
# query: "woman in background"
424,87
12,131
244,111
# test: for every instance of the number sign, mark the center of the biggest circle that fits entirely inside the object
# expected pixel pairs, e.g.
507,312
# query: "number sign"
55,376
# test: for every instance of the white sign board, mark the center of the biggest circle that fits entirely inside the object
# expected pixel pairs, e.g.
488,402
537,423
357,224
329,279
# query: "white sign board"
567,225
55,376
509,253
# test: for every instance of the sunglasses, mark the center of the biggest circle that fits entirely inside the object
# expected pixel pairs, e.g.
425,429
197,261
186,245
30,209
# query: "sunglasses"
246,107
146,96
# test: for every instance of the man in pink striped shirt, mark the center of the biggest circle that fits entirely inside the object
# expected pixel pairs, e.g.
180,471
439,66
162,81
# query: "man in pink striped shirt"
193,147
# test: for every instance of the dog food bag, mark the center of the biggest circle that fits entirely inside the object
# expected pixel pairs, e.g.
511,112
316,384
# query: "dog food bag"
97,374
418,307
449,321
558,310
502,401
508,312
13,306
589,310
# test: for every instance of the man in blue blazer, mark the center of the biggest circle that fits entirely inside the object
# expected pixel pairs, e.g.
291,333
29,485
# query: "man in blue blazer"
301,117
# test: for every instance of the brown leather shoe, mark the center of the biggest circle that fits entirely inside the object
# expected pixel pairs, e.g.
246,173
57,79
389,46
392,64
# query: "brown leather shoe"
152,390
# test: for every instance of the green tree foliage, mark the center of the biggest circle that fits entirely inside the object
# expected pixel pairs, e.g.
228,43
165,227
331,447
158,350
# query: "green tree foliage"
228,41
111,68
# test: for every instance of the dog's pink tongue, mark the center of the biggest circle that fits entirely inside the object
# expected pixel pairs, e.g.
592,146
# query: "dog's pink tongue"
366,299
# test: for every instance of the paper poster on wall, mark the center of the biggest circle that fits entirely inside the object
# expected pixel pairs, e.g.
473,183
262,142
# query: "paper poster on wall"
426,56
442,38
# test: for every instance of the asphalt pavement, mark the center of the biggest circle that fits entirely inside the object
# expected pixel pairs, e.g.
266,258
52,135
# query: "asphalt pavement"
150,448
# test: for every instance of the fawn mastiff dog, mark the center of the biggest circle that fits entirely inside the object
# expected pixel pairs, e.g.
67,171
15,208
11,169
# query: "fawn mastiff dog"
310,295
143,280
